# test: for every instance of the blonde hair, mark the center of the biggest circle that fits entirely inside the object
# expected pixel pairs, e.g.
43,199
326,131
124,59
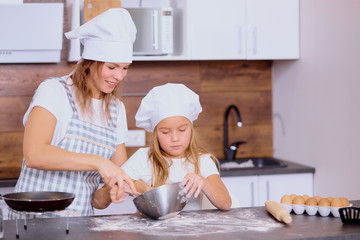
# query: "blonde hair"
161,166
84,70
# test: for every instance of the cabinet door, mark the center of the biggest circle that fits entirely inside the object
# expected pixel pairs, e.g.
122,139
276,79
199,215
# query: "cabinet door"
272,29
243,188
273,187
215,29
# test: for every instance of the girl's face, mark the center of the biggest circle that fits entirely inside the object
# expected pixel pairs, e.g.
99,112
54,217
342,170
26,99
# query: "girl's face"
174,134
110,75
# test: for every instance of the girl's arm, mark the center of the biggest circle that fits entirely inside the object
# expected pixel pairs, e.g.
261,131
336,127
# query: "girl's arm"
212,187
141,186
40,154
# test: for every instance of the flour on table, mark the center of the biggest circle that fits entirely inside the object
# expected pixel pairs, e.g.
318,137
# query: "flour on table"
186,223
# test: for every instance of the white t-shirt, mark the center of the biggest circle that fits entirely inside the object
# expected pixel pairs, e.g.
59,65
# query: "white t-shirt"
139,168
52,96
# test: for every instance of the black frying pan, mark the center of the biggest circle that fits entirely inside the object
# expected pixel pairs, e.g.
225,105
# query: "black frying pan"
38,201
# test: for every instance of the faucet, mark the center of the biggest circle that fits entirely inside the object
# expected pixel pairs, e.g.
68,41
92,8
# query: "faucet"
230,152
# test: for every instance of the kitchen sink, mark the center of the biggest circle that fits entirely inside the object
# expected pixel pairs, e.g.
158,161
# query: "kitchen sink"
246,163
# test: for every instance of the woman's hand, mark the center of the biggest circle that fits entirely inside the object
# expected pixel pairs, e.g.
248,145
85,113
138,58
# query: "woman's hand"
117,179
193,183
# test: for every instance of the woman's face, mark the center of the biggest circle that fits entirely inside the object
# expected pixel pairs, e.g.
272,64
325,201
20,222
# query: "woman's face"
110,75
174,134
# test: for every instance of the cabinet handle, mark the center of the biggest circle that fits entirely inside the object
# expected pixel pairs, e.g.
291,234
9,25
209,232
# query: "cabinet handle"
240,41
155,30
252,195
267,190
254,33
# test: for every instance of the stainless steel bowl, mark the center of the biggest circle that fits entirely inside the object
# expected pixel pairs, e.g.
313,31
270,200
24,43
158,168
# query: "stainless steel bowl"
162,202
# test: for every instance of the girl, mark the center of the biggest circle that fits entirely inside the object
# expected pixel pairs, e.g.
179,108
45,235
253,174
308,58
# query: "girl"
75,127
174,156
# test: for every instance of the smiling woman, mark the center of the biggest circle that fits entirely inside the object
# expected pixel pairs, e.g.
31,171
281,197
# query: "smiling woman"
75,126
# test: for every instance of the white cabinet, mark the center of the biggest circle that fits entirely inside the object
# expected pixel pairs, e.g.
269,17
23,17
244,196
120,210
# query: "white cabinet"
243,188
242,29
272,29
273,187
233,29
255,190
216,29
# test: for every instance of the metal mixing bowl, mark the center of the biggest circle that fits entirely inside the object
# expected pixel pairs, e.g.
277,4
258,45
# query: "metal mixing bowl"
162,202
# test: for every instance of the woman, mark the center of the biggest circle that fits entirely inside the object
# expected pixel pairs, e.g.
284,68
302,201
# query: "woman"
75,127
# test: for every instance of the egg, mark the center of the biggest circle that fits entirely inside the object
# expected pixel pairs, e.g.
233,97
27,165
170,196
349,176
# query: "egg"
336,202
330,199
286,199
306,197
299,200
317,197
311,201
345,202
324,202
292,196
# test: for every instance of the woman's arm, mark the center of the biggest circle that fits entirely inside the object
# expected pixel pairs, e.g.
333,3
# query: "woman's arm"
212,187
40,154
101,198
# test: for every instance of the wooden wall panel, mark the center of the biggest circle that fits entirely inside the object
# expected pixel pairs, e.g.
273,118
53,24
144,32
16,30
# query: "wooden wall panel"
10,154
258,138
235,76
143,76
247,84
12,112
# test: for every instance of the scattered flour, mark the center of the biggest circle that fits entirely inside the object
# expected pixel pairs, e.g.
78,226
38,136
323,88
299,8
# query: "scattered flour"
187,223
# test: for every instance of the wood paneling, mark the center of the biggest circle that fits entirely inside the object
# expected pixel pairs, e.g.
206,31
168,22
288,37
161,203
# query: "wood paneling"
247,84
10,154
143,76
92,8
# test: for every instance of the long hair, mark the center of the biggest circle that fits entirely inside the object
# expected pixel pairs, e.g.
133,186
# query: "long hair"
161,166
83,71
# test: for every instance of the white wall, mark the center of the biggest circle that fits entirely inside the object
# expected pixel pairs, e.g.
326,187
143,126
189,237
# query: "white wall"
316,100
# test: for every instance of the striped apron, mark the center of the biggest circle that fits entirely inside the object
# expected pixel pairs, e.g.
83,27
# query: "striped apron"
80,137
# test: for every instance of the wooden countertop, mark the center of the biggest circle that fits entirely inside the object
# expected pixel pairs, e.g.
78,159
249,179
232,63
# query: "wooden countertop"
238,223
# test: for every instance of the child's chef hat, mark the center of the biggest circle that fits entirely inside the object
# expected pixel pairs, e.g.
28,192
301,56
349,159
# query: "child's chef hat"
108,37
165,101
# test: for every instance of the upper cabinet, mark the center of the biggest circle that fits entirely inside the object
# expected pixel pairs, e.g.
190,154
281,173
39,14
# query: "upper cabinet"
228,29
242,29
272,29
216,29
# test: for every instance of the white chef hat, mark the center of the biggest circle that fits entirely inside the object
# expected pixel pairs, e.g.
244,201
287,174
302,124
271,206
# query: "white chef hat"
108,37
165,101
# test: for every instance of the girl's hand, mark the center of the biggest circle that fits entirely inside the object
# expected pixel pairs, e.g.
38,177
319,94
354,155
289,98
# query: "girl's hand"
193,182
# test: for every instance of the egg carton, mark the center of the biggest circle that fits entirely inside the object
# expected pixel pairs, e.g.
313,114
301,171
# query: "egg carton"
312,210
